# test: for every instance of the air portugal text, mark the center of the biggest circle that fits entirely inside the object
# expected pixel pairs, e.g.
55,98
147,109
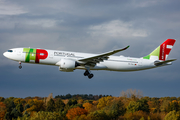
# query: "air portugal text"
34,55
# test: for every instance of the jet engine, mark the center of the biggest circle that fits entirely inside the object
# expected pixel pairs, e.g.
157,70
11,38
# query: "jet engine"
67,65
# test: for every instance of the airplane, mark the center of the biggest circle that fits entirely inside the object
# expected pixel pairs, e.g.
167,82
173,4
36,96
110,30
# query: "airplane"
69,61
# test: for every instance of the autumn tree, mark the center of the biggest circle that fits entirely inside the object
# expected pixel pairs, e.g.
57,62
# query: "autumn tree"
39,105
2,99
164,106
156,104
30,102
95,103
80,101
173,106
87,106
134,106
18,101
50,105
9,104
19,108
8,100
42,115
173,115
8,116
82,117
137,115
97,115
144,105
117,109
73,112
72,102
59,105
26,114
26,106
2,110
104,101
36,105
15,113
10,107
68,96
155,116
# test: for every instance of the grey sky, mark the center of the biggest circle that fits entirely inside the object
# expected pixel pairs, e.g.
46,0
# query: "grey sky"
88,26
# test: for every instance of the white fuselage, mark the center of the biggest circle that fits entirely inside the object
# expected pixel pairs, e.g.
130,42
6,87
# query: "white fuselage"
113,63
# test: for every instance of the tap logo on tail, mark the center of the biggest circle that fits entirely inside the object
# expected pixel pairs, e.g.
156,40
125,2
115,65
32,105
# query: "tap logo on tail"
165,49
161,52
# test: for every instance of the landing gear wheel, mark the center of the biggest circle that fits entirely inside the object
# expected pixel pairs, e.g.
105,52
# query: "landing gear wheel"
20,67
86,73
90,76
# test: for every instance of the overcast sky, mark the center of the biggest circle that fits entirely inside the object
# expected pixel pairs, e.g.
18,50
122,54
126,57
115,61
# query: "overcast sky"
93,26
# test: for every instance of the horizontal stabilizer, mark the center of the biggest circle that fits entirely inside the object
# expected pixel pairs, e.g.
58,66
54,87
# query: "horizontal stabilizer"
158,63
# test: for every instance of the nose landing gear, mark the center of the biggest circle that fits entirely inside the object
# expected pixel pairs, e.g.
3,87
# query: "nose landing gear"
20,65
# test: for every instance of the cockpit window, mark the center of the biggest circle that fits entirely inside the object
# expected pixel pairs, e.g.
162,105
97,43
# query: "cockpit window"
10,50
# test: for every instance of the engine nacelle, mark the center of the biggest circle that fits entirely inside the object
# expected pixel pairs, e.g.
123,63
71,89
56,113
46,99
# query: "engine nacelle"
67,65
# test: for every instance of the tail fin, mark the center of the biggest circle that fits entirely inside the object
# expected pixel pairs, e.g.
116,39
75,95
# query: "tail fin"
161,52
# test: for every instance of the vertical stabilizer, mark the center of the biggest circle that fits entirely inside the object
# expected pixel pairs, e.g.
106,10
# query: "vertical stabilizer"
161,52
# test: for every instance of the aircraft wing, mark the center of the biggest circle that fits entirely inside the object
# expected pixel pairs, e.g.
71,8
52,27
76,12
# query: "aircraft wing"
92,61
157,63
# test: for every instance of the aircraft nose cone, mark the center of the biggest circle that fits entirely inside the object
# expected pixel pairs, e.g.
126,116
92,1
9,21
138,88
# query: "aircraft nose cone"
5,54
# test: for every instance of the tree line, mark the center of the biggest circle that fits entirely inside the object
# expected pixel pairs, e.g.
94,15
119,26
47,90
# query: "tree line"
131,105
82,96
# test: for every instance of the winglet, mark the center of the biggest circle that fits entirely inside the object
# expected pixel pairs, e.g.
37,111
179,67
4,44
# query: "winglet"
126,47
118,50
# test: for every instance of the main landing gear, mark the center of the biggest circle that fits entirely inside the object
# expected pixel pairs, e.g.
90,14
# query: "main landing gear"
20,65
87,73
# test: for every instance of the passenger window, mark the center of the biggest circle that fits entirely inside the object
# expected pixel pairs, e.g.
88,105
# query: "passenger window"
10,51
